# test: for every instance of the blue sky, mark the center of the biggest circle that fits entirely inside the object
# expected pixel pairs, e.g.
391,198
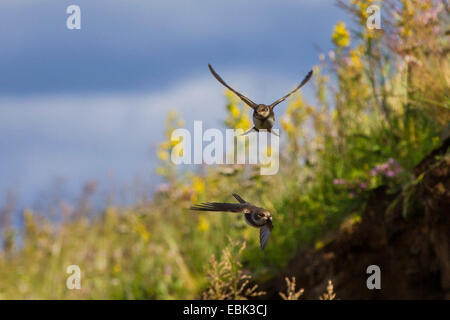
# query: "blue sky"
91,103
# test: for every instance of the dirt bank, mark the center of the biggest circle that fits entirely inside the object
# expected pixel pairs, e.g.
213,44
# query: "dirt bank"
406,234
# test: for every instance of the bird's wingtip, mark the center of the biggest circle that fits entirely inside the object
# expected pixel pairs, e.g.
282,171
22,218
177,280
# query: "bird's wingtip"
238,198
196,207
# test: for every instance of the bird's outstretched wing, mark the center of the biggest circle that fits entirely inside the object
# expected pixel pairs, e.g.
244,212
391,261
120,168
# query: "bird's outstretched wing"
249,102
305,80
264,234
219,206
238,198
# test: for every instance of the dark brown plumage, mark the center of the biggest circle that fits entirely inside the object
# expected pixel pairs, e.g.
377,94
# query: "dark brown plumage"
263,115
254,216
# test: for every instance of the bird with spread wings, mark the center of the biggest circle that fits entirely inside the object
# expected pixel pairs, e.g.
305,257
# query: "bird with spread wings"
263,115
253,215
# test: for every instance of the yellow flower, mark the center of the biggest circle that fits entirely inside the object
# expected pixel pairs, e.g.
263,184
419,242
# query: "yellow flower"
356,219
165,145
355,58
318,245
231,96
341,36
203,224
143,232
243,123
334,115
198,185
117,268
362,5
287,126
235,112
163,155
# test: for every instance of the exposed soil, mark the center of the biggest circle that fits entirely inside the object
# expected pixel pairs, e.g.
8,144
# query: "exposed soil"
411,246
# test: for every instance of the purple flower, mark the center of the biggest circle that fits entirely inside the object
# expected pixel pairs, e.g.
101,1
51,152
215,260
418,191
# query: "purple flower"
363,185
397,169
436,29
339,181
390,168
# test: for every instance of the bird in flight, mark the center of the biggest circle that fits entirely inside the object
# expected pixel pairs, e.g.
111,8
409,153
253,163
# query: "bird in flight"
254,216
263,116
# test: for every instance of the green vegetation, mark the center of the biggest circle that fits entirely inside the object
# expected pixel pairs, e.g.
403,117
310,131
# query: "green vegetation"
382,100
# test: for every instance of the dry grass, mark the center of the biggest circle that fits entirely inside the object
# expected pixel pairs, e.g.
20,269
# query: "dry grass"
330,294
291,294
227,281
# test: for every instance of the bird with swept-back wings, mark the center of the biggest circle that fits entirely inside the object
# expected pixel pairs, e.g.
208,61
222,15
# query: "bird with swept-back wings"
253,215
263,116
